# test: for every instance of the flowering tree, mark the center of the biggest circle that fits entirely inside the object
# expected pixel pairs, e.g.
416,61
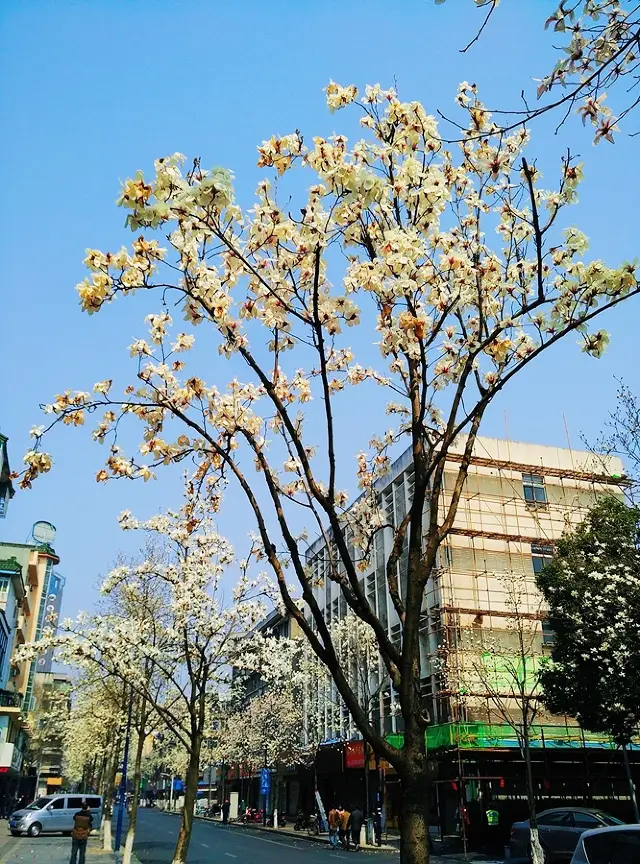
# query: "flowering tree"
592,587
174,654
454,318
598,54
93,736
497,675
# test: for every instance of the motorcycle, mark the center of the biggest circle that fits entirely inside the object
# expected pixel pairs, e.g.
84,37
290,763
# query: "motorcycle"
308,823
252,815
281,821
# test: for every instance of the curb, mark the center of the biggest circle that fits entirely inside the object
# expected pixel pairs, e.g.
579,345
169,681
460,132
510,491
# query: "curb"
297,835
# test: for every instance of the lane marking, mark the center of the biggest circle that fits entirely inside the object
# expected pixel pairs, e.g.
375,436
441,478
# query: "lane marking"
206,845
276,843
229,855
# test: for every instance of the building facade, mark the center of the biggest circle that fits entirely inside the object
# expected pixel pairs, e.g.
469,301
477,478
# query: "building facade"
27,579
517,501
52,694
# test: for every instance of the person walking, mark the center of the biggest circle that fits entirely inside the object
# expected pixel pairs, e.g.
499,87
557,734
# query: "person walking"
226,806
82,824
354,825
377,825
334,826
343,834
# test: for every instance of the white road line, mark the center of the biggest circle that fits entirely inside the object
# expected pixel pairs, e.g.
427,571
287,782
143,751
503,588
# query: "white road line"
206,845
275,842
229,855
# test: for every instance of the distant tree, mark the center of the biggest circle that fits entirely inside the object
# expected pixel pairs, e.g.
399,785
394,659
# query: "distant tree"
173,656
500,668
592,588
622,437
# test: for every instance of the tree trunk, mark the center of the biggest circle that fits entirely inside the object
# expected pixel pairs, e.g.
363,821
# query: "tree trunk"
276,795
537,855
632,788
107,795
414,801
137,773
190,793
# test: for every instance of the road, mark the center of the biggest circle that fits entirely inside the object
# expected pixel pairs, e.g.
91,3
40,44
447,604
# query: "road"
212,843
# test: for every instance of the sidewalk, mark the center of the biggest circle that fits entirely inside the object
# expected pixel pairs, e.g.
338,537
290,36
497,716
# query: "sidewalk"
49,850
390,844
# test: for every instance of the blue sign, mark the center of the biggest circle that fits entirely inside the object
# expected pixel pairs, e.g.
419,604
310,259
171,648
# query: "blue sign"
265,781
178,785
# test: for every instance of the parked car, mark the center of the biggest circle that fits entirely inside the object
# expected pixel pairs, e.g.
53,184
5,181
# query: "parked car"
619,844
53,814
559,831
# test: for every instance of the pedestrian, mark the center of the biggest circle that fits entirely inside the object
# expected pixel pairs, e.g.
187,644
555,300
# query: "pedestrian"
354,825
377,825
334,825
82,824
226,806
343,834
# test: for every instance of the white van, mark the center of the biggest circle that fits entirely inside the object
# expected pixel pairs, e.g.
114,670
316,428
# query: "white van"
53,813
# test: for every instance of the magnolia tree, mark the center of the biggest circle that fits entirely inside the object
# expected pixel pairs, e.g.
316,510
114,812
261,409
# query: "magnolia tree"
598,45
455,317
497,675
592,587
173,655
93,737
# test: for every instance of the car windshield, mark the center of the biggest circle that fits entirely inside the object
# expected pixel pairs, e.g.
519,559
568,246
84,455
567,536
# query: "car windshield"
611,820
39,804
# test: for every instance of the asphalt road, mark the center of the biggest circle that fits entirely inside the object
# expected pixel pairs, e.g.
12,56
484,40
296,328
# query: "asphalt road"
213,843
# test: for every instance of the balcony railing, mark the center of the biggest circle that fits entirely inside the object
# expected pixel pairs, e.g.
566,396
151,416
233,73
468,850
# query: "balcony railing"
9,699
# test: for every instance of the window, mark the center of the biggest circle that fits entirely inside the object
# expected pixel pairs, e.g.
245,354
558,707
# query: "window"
541,555
93,803
57,804
3,502
4,585
38,804
613,847
586,821
561,818
533,488
548,633
74,803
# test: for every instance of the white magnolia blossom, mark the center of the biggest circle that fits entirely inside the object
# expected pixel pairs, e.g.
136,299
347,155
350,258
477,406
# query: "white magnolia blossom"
458,268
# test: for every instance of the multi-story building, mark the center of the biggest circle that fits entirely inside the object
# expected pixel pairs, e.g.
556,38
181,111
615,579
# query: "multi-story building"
517,501
52,696
28,583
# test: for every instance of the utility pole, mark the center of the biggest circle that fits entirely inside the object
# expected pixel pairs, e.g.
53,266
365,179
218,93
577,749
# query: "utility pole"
123,779
264,806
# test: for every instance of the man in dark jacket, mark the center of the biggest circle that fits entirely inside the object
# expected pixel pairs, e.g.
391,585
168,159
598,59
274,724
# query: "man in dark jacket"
356,821
226,807
82,824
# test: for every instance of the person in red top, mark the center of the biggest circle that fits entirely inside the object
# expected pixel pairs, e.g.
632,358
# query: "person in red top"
82,825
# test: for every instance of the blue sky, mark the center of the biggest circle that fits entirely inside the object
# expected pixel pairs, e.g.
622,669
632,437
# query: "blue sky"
91,91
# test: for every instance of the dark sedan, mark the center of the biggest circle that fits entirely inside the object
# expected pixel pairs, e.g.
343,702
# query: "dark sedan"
559,831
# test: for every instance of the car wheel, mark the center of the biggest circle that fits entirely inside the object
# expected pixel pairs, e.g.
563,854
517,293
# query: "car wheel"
35,830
